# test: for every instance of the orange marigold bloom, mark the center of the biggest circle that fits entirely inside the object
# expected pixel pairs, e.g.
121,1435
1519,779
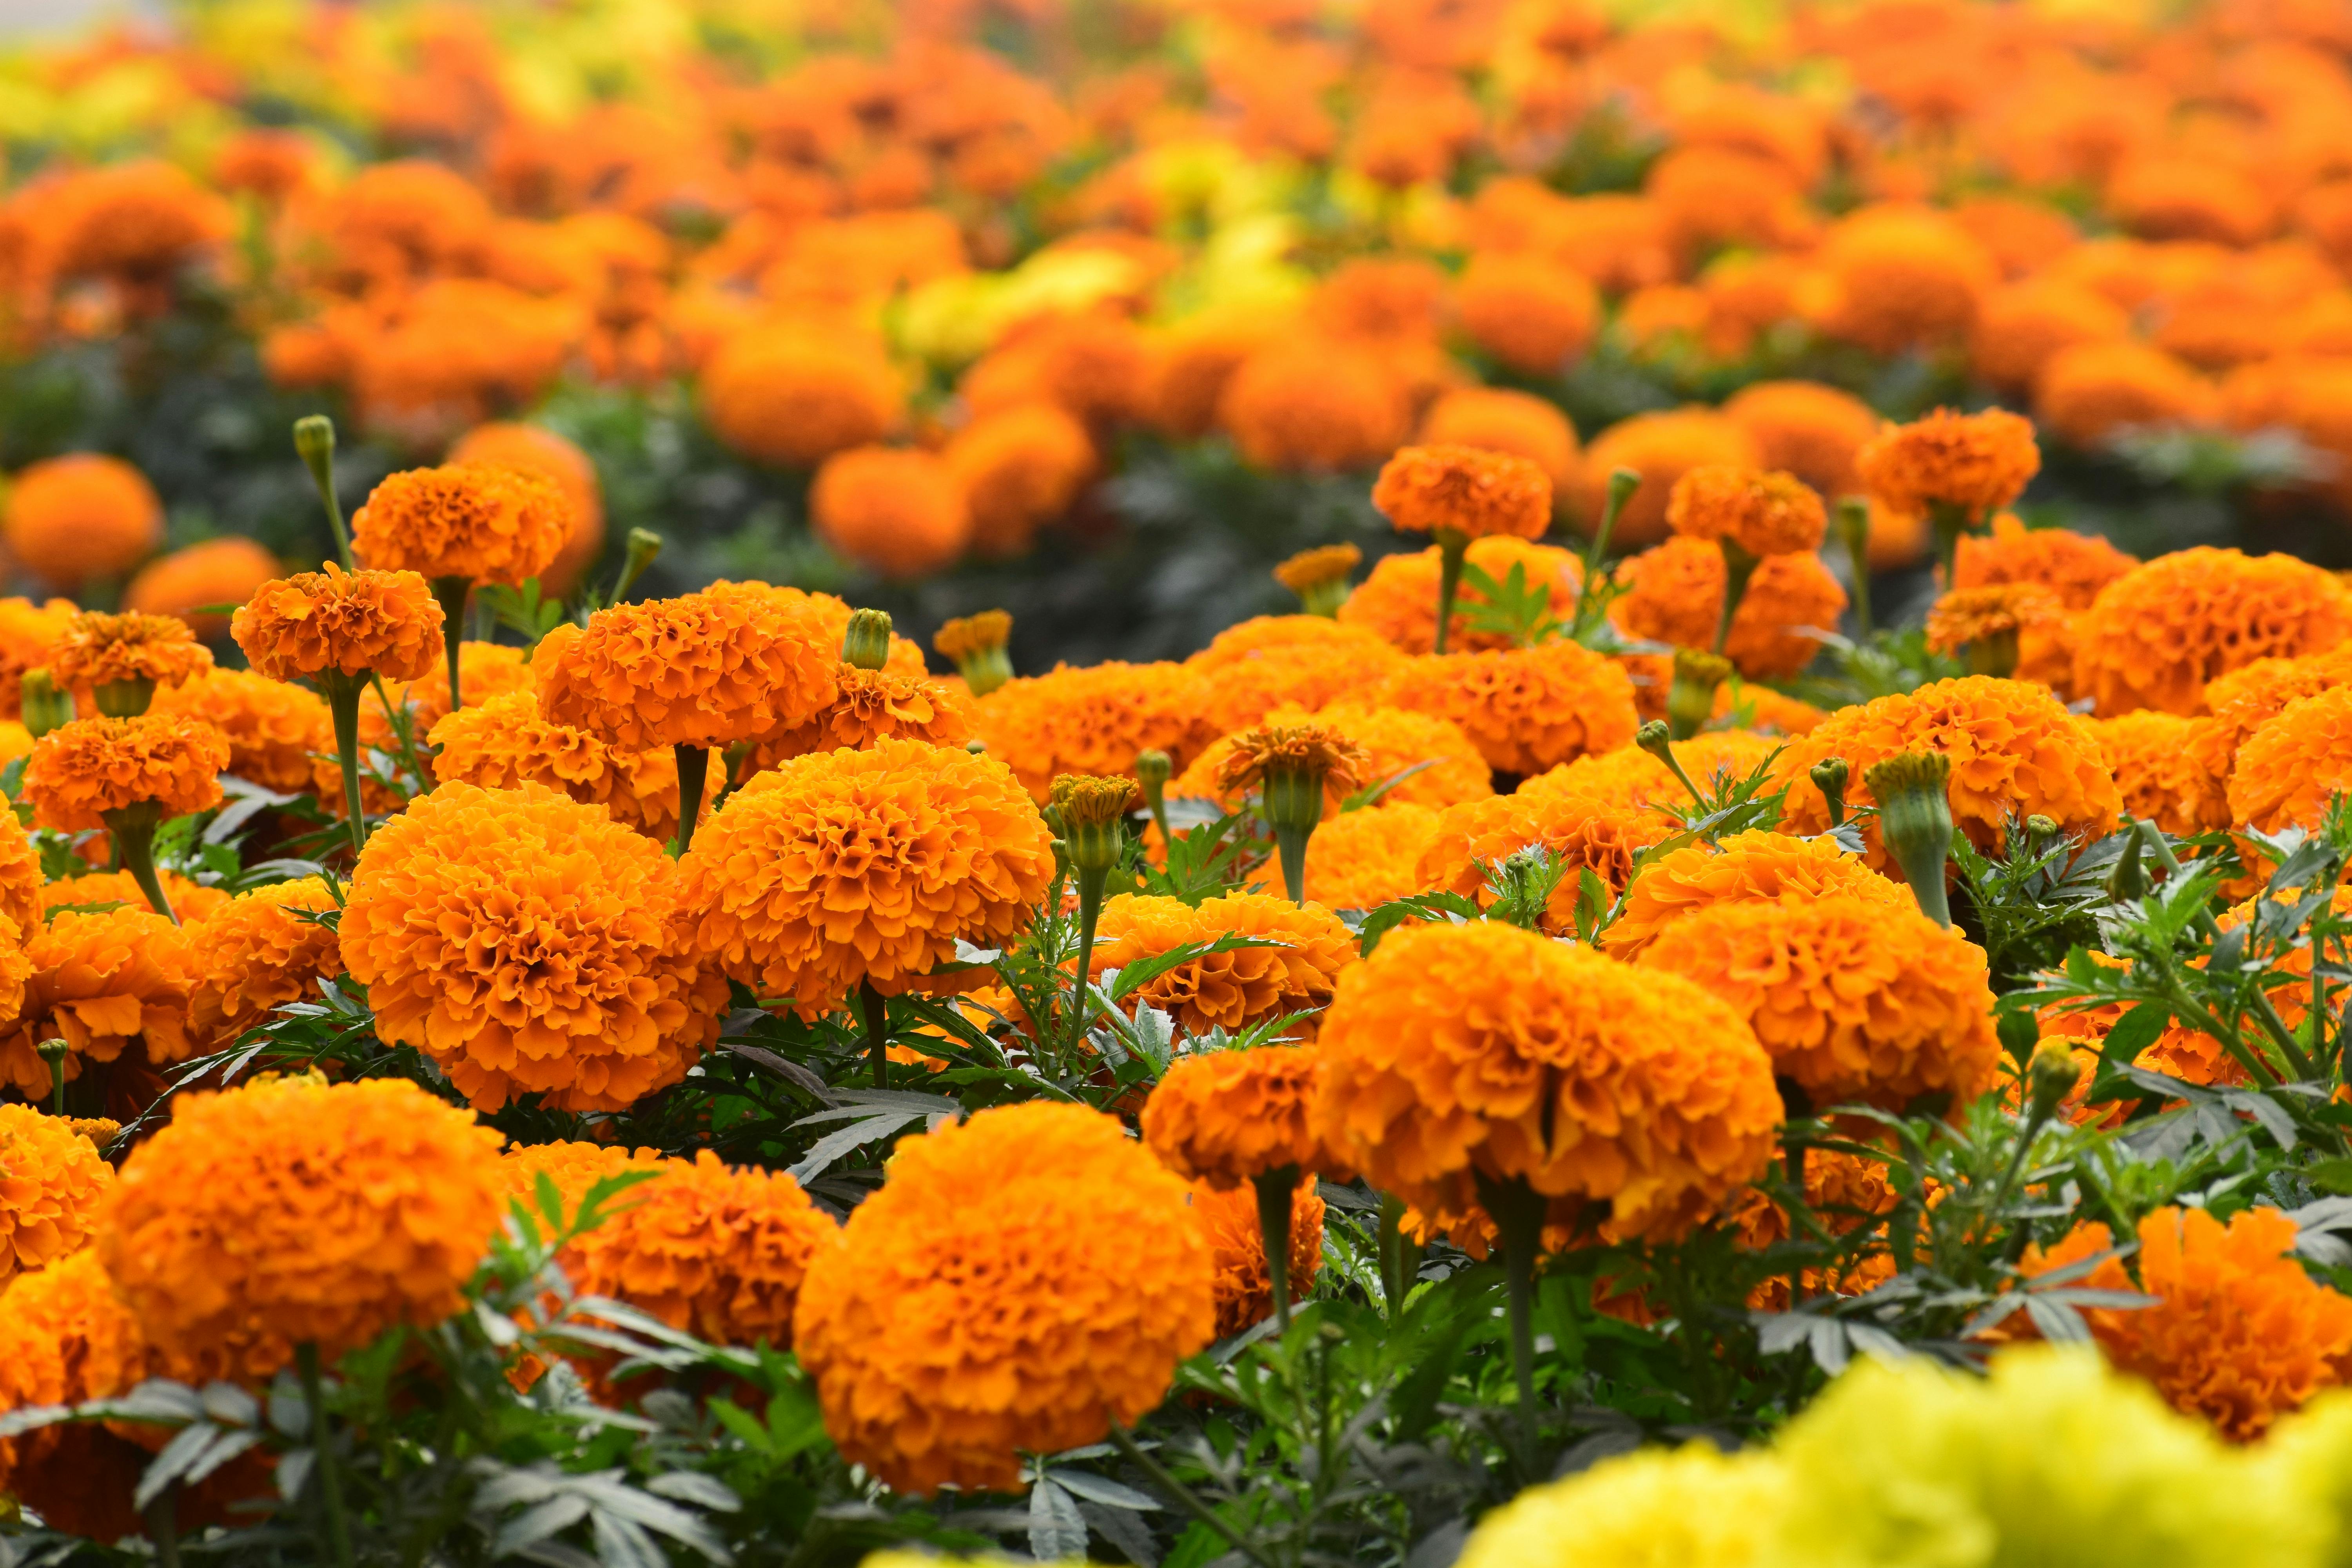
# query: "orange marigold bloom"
332,621
1397,601
1223,1117
716,1250
1464,490
1526,709
2023,325
2242,702
1589,832
573,1167
2155,637
1811,430
1229,1222
294,1211
1906,277
51,1182
1967,615
1309,570
2093,391
730,663
2287,771
525,942
1674,594
1244,640
1855,999
871,704
1246,687
793,398
1393,740
1252,755
948,1336
2073,566
27,632
1747,867
1975,463
256,954
844,868
73,519
20,875
534,450
1662,447
66,1339
900,512
1848,1191
80,772
505,742
1019,469
1499,420
2153,758
1764,513
1305,404
1093,719
1365,858
276,731
2240,1333
97,650
1237,989
2014,749
1481,1049
193,901
481,521
1632,777
1529,312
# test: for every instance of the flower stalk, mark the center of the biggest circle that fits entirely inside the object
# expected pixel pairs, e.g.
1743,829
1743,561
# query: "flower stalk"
1914,818
133,828
1656,739
1852,520
450,593
644,545
1518,1211
322,1450
1452,547
1740,565
877,1015
314,443
1622,483
1152,769
1275,1189
977,646
54,1053
1093,812
1690,700
693,772
343,693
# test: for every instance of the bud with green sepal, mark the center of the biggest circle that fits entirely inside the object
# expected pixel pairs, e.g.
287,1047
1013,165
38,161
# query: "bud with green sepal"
977,646
1915,821
1654,739
1292,766
1829,776
1690,700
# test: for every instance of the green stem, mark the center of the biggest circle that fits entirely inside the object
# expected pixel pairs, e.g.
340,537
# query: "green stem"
450,593
1400,1255
1138,1456
693,768
878,1031
1949,522
1622,483
161,1521
1518,1211
1090,899
1738,567
134,829
1452,547
54,1053
343,704
1275,1189
322,1450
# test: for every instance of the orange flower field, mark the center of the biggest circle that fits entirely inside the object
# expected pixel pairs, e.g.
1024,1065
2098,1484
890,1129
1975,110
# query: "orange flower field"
1204,783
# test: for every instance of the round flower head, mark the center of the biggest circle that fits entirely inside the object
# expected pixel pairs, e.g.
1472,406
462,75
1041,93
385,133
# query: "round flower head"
250,959
1313,572
1903,277
2088,393
730,663
482,523
1585,830
1526,709
2242,702
1533,313
531,450
2154,637
1811,430
1457,1051
2287,771
792,398
1746,867
79,517
1855,999
97,981
276,731
2073,566
1230,1223
1093,720
1315,405
51,1180
1019,469
1397,601
1245,689
20,877
98,650
27,632
1240,987
720,1252
1502,421
192,901
2015,750
2240,1333
1022,1280
573,1167
333,622
1695,1507
293,1212
1253,756
1974,464
1464,490
1674,594
66,1339
1661,447
849,867
1365,858
1764,513
80,772
869,705
1223,1117
900,512
1431,762
1976,616
505,742
1244,641
526,943
2153,757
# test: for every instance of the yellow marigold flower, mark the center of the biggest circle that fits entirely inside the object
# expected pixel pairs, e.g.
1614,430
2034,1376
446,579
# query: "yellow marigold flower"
192,901
1397,600
81,516
2013,750
1229,1223
1967,617
2154,760
1746,867
1589,832
66,1339
1362,859
1974,464
2240,1333
526,943
294,1211
98,650
869,705
1224,1118
2073,566
1765,513
341,623
80,772
948,1337
1674,594
1242,986
505,742
2287,771
2154,637
1526,709
730,663
1464,490
966,635
1461,1050
256,955
276,731
1093,720
484,522
1855,999
27,632
1327,567
1692,1506
718,1251
97,981
51,1180
849,867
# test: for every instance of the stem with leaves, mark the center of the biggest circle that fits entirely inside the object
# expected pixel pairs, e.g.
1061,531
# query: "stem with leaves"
322,1452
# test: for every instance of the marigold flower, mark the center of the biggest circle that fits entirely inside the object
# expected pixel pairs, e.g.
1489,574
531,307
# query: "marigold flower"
1848,1191
294,1212
1397,601
192,901
870,704
1393,740
1588,832
844,868
1975,464
275,730
1093,720
1632,777
533,449
2094,391
1464,490
2240,1333
1018,469
1764,513
96,650
65,1338
2073,566
1498,420
1297,404
1237,989
505,742
2154,637
1312,570
1661,447
900,512
256,954
1229,1223
27,632
1674,594
73,519
524,942
1530,312
481,521
2014,750
794,398
1811,430
1246,687
51,1182
1362,859
1482,1049
1968,616
1224,1118
1252,755
2153,758
1526,709
1906,277
80,772
717,1251
2287,771
949,1334
332,622
1695,1506
2022,326
573,1167
2243,703
1746,867
730,663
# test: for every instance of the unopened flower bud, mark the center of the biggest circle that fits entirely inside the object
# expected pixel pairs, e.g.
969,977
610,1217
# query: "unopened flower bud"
2049,1078
644,545
1092,813
1829,775
1656,739
314,443
1914,819
1690,701
867,642
45,707
977,646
